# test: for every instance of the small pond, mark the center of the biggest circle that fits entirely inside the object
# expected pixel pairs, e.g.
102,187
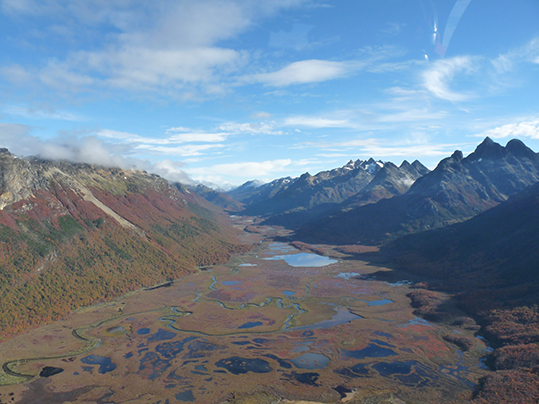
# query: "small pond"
343,316
250,324
304,260
311,361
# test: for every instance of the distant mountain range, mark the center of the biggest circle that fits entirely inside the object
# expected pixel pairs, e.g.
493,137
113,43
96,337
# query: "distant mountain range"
74,234
218,198
295,201
456,190
372,202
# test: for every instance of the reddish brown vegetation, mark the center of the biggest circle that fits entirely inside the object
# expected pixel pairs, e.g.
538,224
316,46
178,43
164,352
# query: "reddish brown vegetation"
509,387
427,304
357,249
517,356
59,252
307,247
464,343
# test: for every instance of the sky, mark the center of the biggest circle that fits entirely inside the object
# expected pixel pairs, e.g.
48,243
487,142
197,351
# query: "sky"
226,91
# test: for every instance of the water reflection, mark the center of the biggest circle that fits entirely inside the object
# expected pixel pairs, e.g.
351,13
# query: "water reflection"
343,316
304,260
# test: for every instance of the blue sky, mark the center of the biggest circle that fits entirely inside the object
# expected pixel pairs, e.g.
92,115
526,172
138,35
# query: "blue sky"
225,91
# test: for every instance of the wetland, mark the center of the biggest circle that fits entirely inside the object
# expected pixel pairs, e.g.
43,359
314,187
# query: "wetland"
272,324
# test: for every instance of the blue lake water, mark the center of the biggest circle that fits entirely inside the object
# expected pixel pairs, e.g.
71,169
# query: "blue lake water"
288,293
380,302
185,396
105,364
250,324
343,316
237,365
370,351
304,260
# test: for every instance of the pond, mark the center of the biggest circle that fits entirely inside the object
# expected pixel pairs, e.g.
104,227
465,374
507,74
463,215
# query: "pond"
311,361
343,316
304,260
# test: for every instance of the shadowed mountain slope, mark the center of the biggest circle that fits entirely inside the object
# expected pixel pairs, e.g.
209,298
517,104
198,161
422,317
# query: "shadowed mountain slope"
217,198
491,265
496,248
458,189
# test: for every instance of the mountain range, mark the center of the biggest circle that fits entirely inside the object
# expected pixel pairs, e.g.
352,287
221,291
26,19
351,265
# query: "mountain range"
73,234
295,201
409,198
490,265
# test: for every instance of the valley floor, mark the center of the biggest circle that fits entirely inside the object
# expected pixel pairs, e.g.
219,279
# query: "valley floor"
264,327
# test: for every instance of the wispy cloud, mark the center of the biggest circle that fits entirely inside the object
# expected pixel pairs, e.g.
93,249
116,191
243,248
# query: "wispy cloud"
437,78
316,122
42,112
528,53
382,148
305,72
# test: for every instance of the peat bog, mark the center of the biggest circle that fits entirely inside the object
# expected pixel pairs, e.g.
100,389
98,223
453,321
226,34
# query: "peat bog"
274,322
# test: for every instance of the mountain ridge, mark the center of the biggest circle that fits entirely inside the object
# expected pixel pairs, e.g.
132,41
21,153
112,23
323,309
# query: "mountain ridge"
457,189
74,234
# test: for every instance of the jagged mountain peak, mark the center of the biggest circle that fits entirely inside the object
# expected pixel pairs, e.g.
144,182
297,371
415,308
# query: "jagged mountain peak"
488,149
420,167
457,155
518,149
405,163
5,152
252,183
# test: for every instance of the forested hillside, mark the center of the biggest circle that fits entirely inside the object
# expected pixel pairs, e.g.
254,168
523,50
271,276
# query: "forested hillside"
74,234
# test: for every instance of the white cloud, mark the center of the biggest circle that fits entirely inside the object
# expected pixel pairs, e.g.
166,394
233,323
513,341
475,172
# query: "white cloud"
382,148
198,137
118,135
528,129
42,112
164,46
244,170
304,72
529,53
16,74
436,78
171,170
316,122
13,133
261,115
185,150
85,149
265,128
332,155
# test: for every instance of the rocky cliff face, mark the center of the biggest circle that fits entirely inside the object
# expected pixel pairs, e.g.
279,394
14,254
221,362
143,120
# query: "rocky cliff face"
71,234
